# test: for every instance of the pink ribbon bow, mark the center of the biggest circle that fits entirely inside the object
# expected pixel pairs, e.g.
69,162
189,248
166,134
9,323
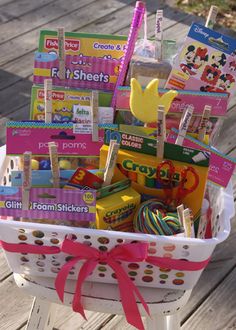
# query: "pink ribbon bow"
133,252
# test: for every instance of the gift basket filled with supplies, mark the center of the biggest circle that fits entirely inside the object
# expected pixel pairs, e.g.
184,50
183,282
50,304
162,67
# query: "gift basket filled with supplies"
114,177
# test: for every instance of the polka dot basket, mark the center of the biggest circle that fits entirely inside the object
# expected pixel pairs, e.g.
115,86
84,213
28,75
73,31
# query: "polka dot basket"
142,273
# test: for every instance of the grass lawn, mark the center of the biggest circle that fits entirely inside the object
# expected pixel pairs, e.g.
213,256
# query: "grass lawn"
227,10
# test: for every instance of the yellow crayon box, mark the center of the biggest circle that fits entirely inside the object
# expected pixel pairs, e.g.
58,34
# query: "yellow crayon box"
116,212
141,169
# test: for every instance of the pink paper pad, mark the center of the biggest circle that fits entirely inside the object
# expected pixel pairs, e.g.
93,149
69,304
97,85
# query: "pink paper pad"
221,168
34,137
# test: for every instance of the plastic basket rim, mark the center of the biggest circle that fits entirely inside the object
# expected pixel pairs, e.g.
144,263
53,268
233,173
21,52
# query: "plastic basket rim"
118,234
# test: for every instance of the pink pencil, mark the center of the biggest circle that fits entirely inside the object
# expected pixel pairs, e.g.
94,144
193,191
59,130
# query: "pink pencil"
139,11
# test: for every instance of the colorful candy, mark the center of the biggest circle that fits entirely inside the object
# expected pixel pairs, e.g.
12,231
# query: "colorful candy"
154,217
45,164
65,164
34,164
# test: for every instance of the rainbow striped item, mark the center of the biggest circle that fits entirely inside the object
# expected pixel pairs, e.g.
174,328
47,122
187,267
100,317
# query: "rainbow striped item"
154,217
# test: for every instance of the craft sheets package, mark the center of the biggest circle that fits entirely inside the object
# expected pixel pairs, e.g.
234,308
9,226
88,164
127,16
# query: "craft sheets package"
198,100
63,102
84,44
206,62
142,170
85,72
116,212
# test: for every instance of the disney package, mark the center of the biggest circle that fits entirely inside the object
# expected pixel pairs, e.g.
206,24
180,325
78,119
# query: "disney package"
206,62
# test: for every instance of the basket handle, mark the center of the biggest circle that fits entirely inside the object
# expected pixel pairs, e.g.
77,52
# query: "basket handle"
229,200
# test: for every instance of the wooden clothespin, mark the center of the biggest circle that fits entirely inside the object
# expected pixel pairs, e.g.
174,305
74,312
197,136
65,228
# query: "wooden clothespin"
203,123
54,164
61,52
159,35
109,151
27,179
211,18
95,105
111,162
48,100
187,224
184,124
161,130
180,212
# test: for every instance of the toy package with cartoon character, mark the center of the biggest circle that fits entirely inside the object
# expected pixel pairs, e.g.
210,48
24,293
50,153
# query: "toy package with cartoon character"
206,62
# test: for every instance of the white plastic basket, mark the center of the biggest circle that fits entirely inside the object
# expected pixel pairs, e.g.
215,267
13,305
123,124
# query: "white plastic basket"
142,274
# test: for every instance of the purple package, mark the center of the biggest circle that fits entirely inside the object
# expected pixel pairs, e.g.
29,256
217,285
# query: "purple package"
49,203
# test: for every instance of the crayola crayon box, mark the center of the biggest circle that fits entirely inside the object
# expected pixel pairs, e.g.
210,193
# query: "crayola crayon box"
141,169
115,212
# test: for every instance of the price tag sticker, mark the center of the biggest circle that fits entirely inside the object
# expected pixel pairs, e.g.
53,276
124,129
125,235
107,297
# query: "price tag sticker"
82,128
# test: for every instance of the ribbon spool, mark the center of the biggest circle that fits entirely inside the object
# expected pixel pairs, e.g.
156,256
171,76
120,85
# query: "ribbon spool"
154,217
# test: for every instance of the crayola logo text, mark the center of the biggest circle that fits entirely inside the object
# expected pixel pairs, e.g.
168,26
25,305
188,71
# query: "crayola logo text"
148,171
120,210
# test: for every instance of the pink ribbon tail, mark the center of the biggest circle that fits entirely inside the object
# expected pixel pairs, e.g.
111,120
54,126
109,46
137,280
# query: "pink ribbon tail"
177,264
127,294
86,269
60,280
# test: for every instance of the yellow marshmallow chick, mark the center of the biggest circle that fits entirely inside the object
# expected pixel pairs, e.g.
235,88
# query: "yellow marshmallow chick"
144,103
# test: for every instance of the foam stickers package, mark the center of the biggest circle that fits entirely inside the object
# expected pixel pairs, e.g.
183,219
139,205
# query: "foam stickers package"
49,203
63,102
143,173
84,44
80,72
206,62
34,136
221,166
